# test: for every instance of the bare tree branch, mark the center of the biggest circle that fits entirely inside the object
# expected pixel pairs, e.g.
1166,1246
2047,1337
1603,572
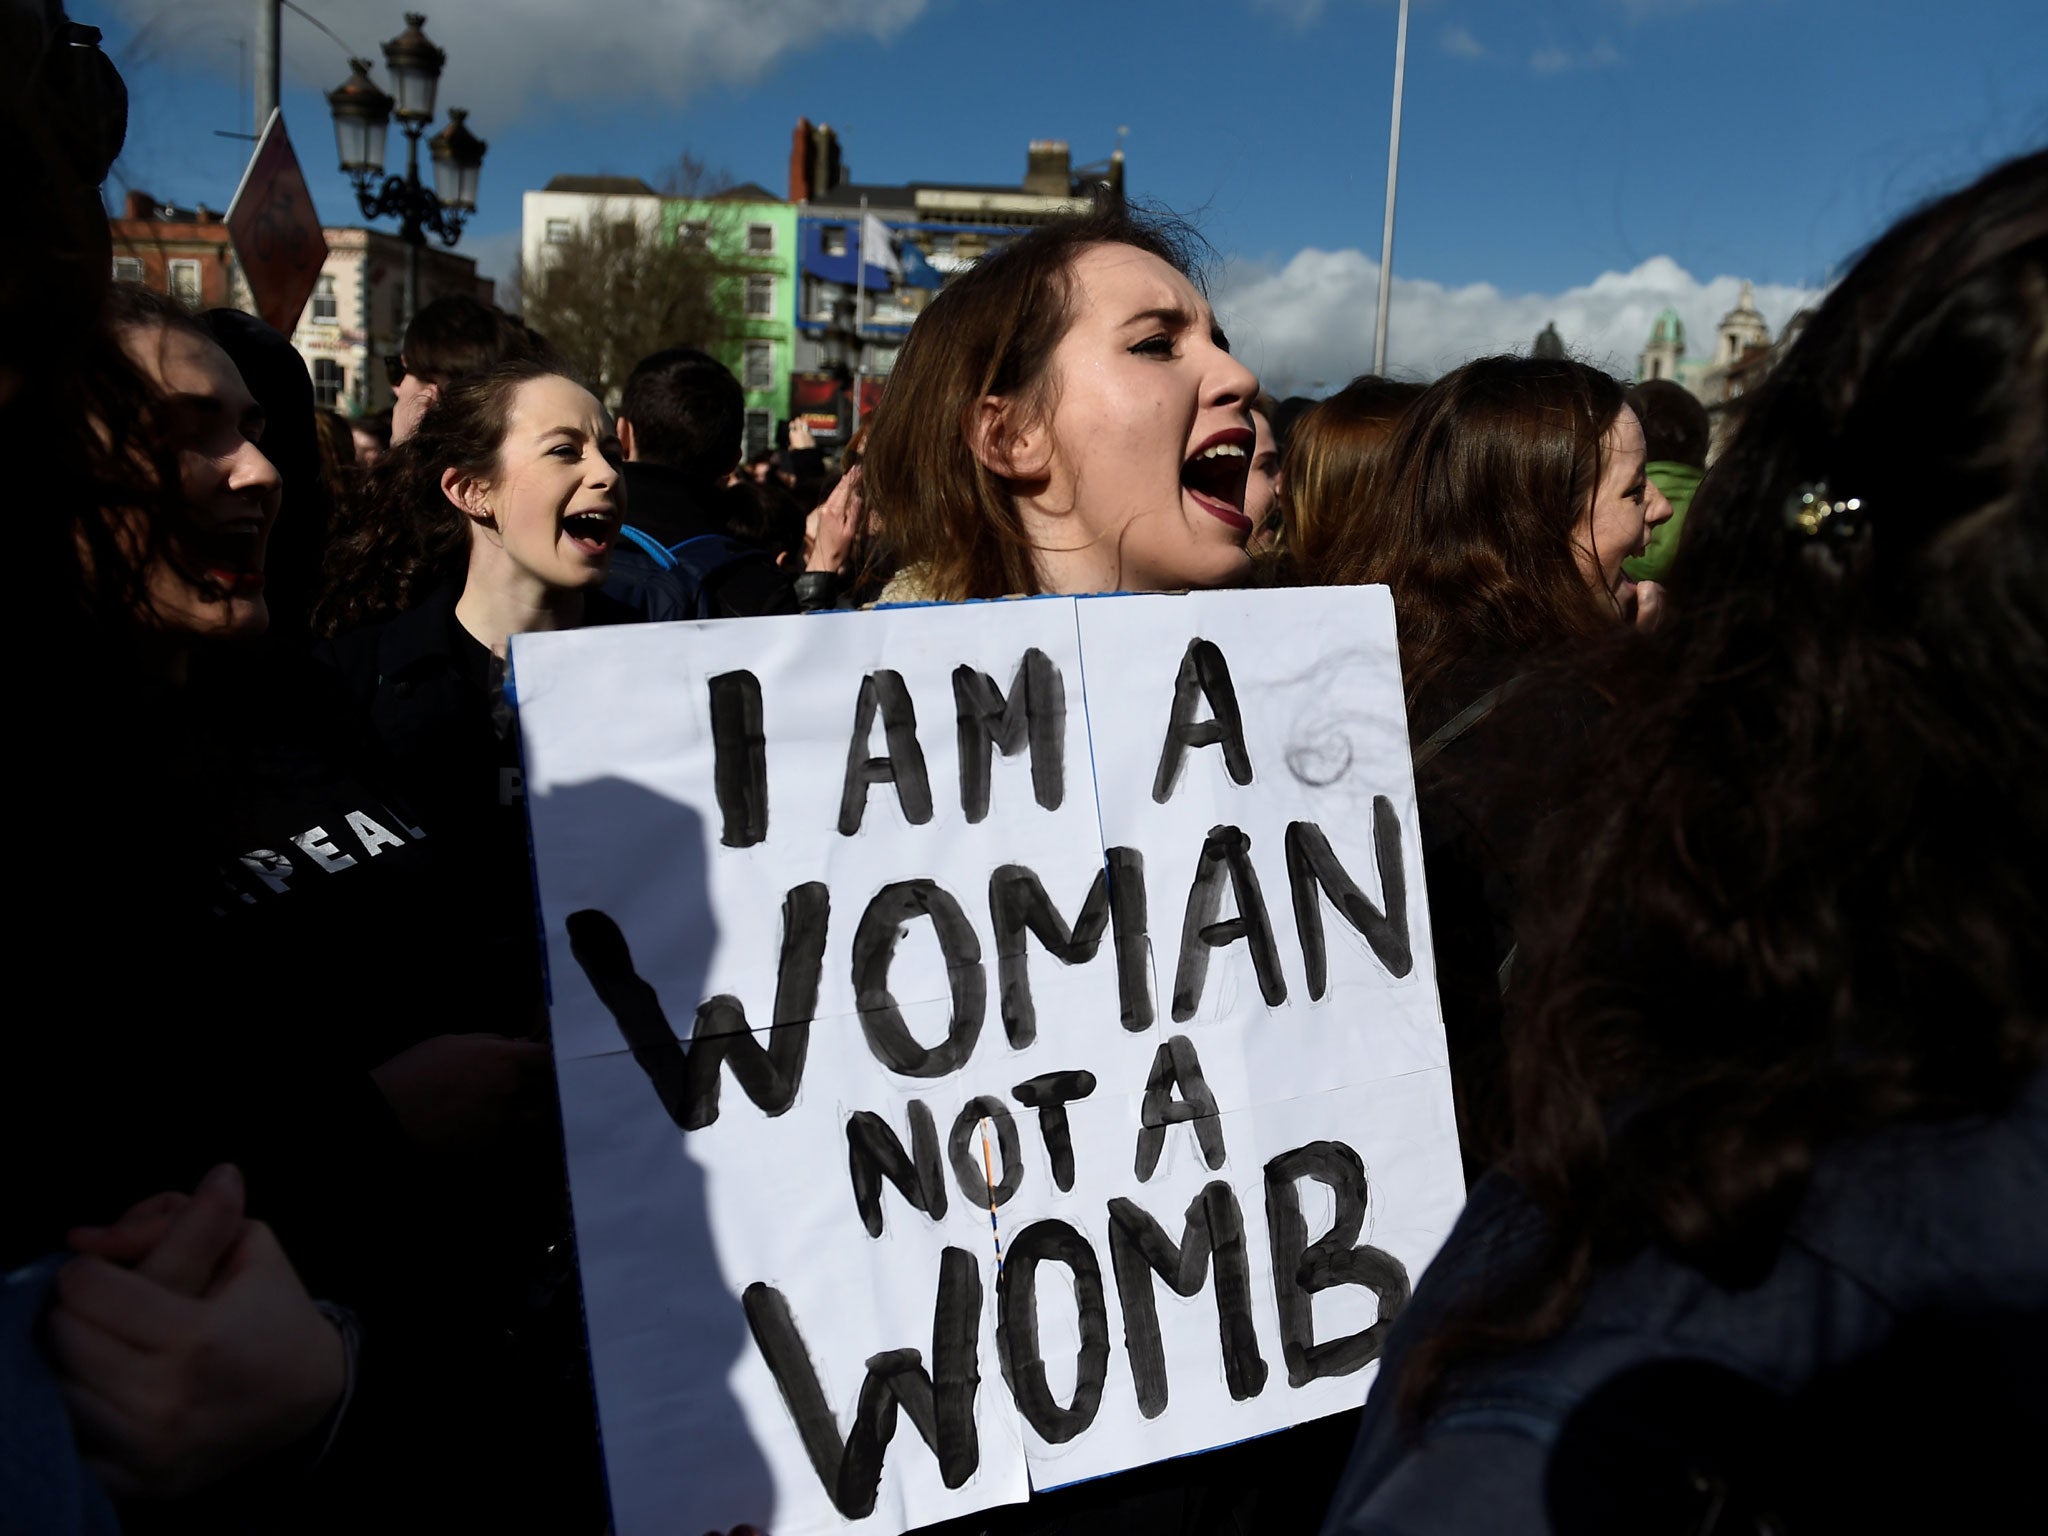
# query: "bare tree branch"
617,290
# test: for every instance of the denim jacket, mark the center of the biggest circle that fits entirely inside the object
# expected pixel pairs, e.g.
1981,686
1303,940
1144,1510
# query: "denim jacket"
1945,1220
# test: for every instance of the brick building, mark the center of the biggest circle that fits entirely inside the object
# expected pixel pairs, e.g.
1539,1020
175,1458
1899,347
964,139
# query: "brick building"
184,252
351,322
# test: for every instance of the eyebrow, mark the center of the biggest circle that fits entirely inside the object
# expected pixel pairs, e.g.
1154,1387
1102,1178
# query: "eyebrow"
1180,320
213,407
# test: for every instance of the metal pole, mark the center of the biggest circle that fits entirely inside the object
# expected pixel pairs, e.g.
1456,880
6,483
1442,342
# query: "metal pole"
1379,335
410,231
860,314
267,13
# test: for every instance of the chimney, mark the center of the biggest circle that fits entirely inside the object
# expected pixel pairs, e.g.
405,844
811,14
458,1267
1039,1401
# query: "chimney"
1048,168
826,171
140,206
800,162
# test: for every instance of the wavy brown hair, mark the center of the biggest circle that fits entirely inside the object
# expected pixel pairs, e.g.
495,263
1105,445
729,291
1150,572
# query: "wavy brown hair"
1333,454
990,333
408,538
1485,479
1816,909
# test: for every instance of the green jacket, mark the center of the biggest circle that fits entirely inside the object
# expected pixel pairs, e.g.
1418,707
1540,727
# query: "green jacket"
1677,482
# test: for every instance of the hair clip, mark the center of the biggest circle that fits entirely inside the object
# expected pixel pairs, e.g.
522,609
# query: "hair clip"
1811,512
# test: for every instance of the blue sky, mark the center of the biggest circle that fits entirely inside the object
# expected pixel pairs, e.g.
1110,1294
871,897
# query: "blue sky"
1675,146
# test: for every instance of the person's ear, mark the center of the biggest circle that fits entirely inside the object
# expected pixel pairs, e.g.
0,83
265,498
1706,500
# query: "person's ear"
1008,442
466,493
626,438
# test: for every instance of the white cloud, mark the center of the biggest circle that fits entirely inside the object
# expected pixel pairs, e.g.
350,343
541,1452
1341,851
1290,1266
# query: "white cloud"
504,54
1300,12
1306,326
1555,61
1459,42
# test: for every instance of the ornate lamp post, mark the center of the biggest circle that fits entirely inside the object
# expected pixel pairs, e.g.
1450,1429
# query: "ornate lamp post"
362,117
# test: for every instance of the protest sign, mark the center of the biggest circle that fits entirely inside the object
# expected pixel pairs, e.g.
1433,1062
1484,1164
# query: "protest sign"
998,1044
278,237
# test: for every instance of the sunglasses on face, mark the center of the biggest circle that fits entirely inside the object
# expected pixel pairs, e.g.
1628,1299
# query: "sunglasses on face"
396,371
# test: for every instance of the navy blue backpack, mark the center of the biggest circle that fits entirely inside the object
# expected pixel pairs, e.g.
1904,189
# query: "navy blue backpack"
675,581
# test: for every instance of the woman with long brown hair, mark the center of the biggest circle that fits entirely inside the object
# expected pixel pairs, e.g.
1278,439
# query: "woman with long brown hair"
1065,418
1512,491
1768,1250
1499,513
1327,472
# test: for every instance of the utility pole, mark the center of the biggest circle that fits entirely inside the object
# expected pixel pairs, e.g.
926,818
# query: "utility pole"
1379,334
267,56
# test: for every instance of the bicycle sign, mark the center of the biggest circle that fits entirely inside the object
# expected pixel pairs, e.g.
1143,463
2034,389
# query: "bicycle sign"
277,234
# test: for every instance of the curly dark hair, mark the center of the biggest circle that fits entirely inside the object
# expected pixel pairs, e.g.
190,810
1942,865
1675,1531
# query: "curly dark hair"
408,538
1815,908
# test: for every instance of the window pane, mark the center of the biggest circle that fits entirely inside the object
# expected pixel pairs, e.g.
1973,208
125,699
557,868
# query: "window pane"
127,269
760,237
184,283
760,432
324,306
560,231
328,381
760,295
835,239
757,370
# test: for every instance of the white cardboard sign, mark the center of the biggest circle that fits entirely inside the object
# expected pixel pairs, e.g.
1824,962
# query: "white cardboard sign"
998,1044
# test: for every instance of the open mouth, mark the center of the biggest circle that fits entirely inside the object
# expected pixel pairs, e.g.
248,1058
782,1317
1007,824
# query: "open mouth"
591,532
1215,473
231,557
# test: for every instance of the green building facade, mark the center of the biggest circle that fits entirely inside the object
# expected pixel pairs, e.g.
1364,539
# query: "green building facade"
753,234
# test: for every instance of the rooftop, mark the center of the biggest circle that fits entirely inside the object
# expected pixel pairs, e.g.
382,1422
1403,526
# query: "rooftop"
602,186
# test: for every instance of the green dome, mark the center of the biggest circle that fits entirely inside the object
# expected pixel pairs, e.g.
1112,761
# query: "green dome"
1668,328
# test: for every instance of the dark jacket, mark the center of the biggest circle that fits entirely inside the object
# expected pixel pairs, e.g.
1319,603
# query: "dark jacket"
1920,1227
1484,785
226,909
432,700
665,506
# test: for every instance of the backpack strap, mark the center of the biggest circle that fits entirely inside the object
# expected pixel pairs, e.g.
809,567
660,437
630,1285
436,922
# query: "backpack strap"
654,548
1449,732
1466,718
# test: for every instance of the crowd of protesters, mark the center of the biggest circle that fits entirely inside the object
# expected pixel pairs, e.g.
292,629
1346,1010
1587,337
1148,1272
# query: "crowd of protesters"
1733,780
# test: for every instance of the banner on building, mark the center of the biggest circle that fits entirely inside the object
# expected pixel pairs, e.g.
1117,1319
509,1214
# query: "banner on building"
817,400
998,1044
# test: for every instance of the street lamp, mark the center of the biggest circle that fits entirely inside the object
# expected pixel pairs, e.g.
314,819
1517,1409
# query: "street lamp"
362,117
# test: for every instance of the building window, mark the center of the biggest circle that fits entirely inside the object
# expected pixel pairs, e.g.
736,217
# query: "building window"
834,238
328,381
691,232
127,269
324,307
761,239
944,244
184,284
757,365
561,231
760,431
760,296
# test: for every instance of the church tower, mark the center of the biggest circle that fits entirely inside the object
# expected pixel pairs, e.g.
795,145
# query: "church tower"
1665,349
1741,328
